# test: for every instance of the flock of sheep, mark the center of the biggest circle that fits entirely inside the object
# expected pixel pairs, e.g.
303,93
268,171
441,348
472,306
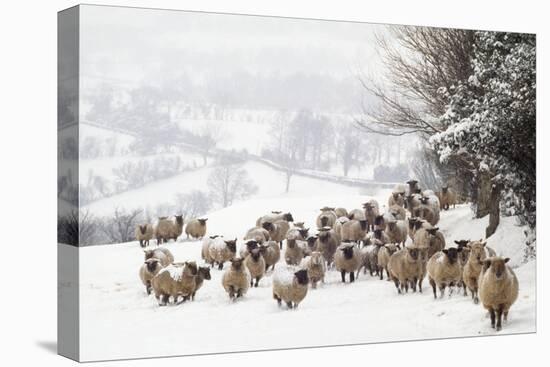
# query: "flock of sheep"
347,241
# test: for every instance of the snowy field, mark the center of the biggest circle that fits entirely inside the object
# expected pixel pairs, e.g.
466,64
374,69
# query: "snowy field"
118,319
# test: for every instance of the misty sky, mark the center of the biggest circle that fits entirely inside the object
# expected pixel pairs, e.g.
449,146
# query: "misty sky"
132,46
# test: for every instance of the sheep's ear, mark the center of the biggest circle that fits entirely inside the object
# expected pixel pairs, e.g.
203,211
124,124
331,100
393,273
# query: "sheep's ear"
484,243
506,260
458,243
445,251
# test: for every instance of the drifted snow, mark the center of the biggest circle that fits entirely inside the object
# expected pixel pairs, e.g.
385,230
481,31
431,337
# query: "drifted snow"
284,274
118,319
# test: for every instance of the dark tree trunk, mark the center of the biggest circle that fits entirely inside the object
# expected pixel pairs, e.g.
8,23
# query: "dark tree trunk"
494,211
483,197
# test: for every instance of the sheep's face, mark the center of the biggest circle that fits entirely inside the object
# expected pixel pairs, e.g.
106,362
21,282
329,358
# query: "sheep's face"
432,232
237,264
412,223
378,234
152,265
418,224
231,245
204,272
477,251
391,248
202,221
268,226
301,277
379,220
190,268
497,265
363,224
392,225
143,228
348,252
412,183
311,240
452,254
324,221
263,249
324,236
424,200
414,253
251,245
444,189
304,232
255,254
288,217
395,195
179,219
148,254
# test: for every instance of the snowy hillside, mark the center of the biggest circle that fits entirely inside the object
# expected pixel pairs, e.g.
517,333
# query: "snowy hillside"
118,319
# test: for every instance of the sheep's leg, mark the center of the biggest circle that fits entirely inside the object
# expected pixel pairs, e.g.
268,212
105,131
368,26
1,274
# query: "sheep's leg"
289,305
442,290
382,274
239,293
257,281
420,285
505,315
277,299
476,299
413,284
492,313
387,275
165,298
220,266
499,317
251,282
343,274
231,292
396,282
432,283
351,277
281,245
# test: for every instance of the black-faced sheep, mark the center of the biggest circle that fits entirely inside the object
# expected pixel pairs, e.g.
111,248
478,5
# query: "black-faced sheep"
168,229
147,272
290,285
255,264
472,268
222,250
271,253
236,279
371,211
196,228
144,233
396,230
498,289
396,198
175,281
273,217
444,270
383,257
326,218
293,252
202,274
447,197
354,231
347,259
327,242
405,267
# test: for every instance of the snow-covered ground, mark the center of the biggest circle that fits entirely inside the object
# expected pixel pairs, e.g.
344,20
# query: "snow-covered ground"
118,319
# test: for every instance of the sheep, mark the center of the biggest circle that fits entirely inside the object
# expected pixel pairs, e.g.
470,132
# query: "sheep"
163,254
398,212
381,236
371,211
347,259
327,242
463,258
428,193
276,232
472,268
205,250
354,230
298,225
447,197
430,238
273,217
413,187
396,198
248,247
369,255
147,272
326,218
221,250
412,201
316,268
340,212
236,279
255,264
202,274
271,253
308,246
338,225
294,234
167,229
415,224
380,221
196,228
258,234
293,253
144,233
396,230
175,281
498,289
405,267
428,209
444,270
290,285
383,258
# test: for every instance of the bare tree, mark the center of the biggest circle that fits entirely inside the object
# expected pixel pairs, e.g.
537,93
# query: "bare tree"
229,182
121,227
192,204
207,139
77,228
